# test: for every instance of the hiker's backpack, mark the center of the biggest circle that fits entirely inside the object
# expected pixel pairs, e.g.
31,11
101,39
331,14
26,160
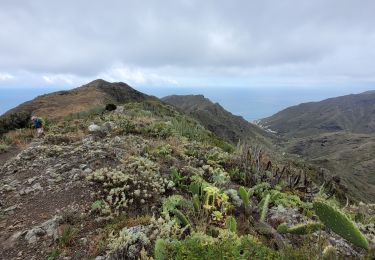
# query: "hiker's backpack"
42,122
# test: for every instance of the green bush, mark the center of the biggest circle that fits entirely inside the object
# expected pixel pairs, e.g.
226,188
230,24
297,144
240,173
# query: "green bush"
110,107
14,121
226,246
160,250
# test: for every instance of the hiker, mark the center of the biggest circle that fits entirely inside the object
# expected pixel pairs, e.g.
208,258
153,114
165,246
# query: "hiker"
38,124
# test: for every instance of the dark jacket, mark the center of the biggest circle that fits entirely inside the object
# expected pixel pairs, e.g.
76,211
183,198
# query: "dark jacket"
38,123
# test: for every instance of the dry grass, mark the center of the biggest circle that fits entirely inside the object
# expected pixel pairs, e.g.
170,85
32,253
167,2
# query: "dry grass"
60,104
67,234
19,137
3,148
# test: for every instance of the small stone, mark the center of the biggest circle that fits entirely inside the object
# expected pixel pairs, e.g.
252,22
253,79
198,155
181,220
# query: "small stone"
83,241
6,187
117,140
31,180
39,232
37,186
87,171
94,128
11,209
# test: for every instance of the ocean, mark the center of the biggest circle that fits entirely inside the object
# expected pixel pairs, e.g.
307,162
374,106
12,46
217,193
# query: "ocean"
250,103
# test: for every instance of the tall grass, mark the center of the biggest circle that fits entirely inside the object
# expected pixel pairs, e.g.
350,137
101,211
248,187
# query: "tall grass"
89,114
19,137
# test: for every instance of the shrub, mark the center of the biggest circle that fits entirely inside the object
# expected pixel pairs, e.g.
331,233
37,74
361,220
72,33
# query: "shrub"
14,121
88,114
160,250
215,200
178,179
4,148
97,206
54,254
136,182
110,107
201,246
19,137
129,243
159,129
171,203
67,235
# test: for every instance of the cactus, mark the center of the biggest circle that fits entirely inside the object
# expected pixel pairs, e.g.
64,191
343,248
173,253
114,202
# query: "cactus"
196,188
231,224
244,196
196,203
301,229
330,253
282,228
181,217
160,250
340,224
266,203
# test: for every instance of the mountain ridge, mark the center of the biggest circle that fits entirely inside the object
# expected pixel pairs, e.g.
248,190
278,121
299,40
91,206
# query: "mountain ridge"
57,105
354,113
220,121
337,134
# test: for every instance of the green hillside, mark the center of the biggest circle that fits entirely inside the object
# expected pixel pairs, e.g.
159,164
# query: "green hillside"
148,182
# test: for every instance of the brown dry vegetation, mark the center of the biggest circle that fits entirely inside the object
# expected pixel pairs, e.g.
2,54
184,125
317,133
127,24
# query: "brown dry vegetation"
97,93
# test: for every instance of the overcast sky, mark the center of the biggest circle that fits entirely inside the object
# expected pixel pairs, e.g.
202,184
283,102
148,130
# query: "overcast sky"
188,43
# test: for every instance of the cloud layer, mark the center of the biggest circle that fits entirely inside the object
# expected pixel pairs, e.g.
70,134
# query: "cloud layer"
187,42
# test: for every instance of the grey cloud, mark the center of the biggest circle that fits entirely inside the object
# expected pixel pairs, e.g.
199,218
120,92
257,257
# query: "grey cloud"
86,38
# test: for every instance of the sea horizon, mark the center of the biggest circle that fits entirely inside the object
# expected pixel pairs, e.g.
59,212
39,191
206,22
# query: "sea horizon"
250,103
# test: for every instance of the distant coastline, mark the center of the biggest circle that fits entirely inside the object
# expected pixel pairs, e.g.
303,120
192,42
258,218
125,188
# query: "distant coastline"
250,103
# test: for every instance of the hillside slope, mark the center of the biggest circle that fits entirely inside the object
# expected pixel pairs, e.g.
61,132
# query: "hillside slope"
347,155
337,134
148,181
353,113
215,118
59,104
